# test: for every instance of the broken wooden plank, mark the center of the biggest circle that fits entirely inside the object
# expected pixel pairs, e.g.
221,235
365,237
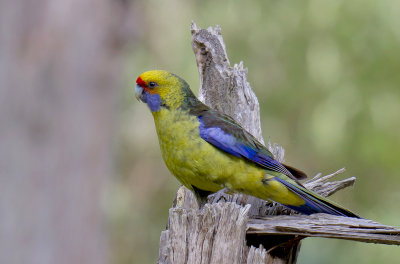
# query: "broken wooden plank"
325,225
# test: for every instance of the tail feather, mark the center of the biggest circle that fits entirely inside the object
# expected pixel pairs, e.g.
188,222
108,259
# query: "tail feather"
314,203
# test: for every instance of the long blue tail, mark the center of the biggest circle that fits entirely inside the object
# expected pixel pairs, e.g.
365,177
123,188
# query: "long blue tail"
314,203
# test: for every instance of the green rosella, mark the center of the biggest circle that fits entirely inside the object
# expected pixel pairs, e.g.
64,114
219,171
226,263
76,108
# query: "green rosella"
208,151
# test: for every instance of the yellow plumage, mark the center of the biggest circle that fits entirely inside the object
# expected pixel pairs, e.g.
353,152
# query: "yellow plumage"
193,161
207,151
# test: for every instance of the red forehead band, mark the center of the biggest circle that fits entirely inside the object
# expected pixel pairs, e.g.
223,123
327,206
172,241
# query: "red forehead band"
141,83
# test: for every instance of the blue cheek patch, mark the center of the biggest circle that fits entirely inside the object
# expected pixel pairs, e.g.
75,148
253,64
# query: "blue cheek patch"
153,101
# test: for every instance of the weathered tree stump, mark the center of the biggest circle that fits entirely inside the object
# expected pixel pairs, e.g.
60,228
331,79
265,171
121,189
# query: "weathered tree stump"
245,229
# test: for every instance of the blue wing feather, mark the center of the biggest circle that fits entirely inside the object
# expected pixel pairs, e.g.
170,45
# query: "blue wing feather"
239,144
223,133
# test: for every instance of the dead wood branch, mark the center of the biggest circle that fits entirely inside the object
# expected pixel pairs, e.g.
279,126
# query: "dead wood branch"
214,234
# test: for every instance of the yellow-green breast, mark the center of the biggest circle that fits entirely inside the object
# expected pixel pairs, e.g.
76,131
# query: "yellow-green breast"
193,161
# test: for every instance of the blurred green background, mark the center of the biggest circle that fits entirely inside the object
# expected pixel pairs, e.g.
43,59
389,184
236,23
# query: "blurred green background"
326,73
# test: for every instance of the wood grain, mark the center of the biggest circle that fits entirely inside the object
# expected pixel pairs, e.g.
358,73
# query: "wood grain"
325,225
239,228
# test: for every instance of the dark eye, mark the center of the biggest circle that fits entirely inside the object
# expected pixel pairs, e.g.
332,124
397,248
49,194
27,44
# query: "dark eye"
152,84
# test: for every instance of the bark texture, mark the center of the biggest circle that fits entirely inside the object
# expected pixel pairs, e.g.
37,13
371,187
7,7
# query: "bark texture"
324,225
273,232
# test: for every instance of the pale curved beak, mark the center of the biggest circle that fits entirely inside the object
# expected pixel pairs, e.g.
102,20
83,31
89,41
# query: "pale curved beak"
138,92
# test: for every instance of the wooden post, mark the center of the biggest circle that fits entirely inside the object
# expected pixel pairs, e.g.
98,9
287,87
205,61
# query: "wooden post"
246,229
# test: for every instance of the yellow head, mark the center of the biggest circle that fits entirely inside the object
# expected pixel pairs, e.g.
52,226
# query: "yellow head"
161,89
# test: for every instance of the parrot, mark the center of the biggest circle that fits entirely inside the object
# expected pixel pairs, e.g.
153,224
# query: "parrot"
207,151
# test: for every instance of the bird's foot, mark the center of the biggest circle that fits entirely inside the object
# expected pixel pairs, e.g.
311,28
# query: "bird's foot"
221,195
